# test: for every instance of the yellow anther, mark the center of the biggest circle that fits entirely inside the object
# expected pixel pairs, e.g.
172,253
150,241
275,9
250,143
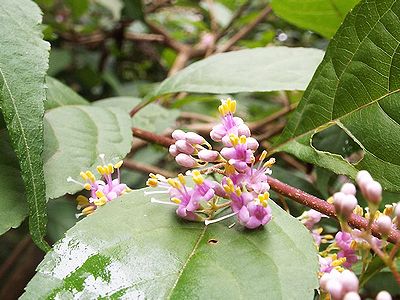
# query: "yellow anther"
229,169
234,139
338,262
263,155
388,211
227,189
110,169
118,164
339,269
242,139
176,200
232,106
328,237
238,191
353,245
87,186
330,200
101,170
90,176
221,110
82,200
358,210
182,179
84,176
319,230
88,210
197,178
173,183
99,194
152,175
101,201
152,182
269,163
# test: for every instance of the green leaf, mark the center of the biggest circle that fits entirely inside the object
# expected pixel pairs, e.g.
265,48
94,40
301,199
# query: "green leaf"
23,65
13,208
58,94
357,88
322,16
138,249
249,70
75,136
152,118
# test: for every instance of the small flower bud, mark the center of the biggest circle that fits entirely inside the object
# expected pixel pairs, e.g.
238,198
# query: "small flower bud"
173,150
397,214
185,160
252,144
208,155
348,189
352,296
344,204
324,280
373,192
349,281
243,130
184,146
363,177
178,135
194,138
384,224
383,295
334,287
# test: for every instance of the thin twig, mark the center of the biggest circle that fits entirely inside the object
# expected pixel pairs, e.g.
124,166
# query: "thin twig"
235,16
15,254
145,37
245,30
146,168
258,125
152,137
180,61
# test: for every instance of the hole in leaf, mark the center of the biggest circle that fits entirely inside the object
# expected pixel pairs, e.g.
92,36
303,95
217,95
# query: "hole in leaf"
335,140
212,241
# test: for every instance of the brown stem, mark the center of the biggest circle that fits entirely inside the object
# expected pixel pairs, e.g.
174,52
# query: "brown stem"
258,125
145,168
145,37
245,30
14,256
326,208
171,42
152,137
180,61
235,16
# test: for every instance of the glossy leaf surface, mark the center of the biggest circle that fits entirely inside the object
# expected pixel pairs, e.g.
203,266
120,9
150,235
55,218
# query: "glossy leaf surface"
133,248
356,87
249,70
23,65
322,16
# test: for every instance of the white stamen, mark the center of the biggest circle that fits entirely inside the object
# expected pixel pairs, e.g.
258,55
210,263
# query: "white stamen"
219,219
102,157
152,200
155,192
69,179
230,226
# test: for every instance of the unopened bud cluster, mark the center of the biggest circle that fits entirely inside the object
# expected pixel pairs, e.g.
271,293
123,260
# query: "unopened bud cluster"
243,185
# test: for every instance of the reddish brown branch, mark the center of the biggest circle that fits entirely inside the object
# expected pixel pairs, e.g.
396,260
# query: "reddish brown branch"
145,168
152,137
325,208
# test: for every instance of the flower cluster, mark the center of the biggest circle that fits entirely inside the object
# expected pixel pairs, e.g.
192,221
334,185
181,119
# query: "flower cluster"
243,182
101,190
351,245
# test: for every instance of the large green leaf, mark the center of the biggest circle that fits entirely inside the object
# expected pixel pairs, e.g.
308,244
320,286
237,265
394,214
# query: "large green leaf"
75,136
322,16
58,94
132,248
249,70
23,65
13,208
356,87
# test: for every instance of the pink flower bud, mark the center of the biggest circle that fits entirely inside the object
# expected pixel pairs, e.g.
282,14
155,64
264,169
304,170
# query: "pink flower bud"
348,189
185,160
252,144
178,135
344,204
208,155
184,147
373,192
173,150
352,296
384,224
243,130
383,295
363,179
218,132
194,138
334,287
324,280
349,281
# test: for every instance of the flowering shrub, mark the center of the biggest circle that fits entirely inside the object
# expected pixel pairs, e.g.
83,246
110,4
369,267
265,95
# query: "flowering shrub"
243,185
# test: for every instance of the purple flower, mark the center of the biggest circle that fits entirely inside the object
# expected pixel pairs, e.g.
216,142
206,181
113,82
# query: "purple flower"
344,241
255,213
239,155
